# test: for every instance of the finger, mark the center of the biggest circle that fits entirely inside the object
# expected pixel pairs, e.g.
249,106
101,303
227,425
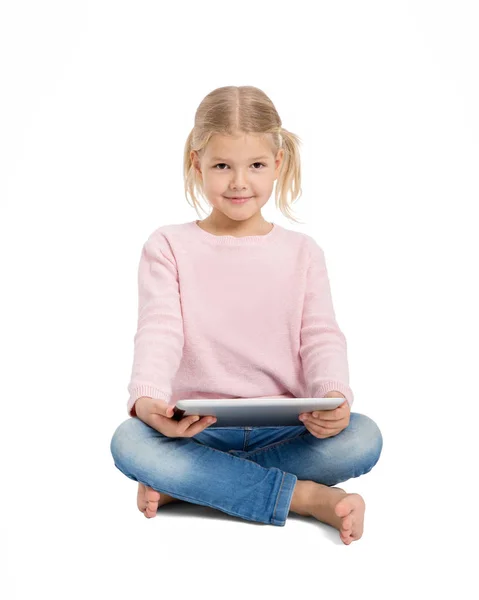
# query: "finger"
199,425
329,415
317,433
164,411
187,422
330,425
208,420
320,430
323,415
321,423
338,425
197,422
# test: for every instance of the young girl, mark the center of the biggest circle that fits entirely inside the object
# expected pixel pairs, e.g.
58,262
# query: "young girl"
236,307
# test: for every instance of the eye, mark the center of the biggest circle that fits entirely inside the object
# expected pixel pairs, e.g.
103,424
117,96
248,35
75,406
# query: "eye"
256,163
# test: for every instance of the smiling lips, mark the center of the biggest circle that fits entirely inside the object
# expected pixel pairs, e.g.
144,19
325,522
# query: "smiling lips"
238,199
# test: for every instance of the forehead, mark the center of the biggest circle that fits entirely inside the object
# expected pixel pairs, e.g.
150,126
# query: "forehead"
243,146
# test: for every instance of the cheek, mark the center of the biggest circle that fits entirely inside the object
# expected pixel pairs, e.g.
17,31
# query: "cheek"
218,186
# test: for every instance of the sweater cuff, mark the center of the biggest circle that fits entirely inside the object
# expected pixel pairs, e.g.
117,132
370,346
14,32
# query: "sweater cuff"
321,389
144,390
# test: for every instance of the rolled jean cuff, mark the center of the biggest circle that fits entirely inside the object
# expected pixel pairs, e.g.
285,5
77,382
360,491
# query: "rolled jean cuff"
283,502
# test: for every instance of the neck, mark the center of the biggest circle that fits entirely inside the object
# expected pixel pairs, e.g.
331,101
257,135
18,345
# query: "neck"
219,224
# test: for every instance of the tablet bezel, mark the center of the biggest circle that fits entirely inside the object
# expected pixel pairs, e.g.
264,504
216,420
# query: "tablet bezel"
258,412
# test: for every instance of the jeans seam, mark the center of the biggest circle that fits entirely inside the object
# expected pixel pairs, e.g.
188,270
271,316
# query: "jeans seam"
277,443
278,496
246,439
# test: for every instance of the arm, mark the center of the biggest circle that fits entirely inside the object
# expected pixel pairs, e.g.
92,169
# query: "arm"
159,339
323,347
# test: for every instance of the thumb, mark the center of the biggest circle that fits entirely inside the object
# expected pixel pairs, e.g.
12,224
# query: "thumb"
169,411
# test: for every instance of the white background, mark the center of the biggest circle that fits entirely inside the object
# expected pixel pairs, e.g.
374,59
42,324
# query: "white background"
97,99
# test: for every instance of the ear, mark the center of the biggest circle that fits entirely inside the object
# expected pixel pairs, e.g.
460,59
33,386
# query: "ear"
279,161
195,160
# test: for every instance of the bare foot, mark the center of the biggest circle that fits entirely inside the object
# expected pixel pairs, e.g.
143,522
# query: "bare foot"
345,512
149,500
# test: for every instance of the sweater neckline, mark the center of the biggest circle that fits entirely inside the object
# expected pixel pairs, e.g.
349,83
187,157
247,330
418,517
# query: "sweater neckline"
232,240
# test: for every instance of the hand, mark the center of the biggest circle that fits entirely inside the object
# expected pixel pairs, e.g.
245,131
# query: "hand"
157,414
327,423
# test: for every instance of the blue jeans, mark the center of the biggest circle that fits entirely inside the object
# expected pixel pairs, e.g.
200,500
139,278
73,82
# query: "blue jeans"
248,472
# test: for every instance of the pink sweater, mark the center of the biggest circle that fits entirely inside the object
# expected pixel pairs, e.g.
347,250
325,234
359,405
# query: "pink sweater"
235,317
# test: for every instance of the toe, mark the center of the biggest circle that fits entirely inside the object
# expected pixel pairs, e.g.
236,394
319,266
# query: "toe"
149,514
141,500
343,507
151,509
152,495
152,498
345,538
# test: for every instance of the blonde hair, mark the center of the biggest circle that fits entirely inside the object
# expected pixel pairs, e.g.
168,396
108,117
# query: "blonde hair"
244,109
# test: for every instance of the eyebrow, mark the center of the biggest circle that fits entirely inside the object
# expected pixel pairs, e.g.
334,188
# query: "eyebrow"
226,160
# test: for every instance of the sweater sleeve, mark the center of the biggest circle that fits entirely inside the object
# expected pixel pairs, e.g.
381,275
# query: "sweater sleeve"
159,339
323,347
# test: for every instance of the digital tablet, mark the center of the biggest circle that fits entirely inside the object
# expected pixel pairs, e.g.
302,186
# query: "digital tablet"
253,412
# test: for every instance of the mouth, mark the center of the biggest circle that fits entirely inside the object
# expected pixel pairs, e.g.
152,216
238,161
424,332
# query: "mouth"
238,199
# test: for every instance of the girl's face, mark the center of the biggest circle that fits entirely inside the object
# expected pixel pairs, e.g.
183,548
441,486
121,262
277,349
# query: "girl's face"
240,165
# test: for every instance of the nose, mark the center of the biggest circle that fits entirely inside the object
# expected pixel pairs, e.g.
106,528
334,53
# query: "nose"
238,179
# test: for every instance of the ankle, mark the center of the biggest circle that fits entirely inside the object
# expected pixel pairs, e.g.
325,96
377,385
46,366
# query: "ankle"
300,502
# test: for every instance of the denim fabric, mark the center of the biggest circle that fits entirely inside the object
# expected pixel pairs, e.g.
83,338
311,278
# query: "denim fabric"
248,472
